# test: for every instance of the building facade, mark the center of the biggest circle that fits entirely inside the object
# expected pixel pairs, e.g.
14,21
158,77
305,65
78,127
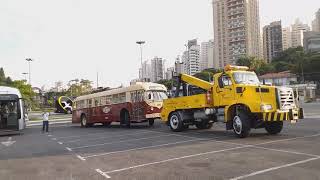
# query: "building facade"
157,69
207,55
311,41
316,22
272,41
169,73
286,38
236,30
178,67
191,58
297,30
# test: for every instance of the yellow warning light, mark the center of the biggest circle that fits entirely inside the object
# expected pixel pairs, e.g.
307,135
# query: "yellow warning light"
233,68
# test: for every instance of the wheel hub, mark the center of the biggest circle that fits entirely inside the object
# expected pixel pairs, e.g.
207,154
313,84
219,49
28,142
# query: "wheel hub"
237,124
174,122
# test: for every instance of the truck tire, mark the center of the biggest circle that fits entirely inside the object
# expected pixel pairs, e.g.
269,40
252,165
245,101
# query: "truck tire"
176,122
204,125
274,127
241,124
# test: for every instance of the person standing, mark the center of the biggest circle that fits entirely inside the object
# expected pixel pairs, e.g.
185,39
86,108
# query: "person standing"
45,121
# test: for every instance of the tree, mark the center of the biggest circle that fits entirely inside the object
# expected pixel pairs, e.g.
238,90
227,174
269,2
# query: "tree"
255,64
2,77
167,83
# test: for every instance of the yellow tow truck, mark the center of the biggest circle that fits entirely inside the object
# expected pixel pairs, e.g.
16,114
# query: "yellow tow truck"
235,97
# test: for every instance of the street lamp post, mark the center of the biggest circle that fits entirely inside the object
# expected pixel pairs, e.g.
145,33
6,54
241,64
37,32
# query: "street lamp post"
25,76
141,43
29,61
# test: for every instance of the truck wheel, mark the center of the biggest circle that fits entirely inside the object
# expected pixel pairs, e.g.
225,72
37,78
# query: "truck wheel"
241,124
274,127
151,122
84,122
204,125
176,123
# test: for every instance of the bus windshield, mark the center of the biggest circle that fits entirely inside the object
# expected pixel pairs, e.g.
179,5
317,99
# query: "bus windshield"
245,78
156,95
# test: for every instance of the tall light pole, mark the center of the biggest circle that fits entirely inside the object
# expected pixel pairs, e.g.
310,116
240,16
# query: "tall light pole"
141,43
29,61
25,76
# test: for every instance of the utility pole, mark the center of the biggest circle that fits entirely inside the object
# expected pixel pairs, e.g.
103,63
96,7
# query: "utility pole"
25,76
29,61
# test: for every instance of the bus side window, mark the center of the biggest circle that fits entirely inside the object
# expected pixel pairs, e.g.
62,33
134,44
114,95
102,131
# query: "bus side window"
89,103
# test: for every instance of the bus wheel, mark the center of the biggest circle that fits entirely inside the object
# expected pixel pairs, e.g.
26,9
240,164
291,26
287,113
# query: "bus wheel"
176,122
84,121
241,124
106,124
274,127
151,122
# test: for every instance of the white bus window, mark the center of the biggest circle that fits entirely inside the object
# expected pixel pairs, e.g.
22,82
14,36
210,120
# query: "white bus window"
97,102
109,100
103,100
122,98
89,103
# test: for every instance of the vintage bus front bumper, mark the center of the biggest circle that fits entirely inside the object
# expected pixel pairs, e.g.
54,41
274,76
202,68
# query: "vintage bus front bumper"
292,115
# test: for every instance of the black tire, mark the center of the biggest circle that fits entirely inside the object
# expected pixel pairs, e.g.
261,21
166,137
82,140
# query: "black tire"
151,122
106,124
83,121
274,127
176,122
204,125
241,124
125,119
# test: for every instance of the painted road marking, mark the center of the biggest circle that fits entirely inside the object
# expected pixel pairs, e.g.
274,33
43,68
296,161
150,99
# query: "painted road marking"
89,134
286,151
145,147
102,144
103,174
275,168
60,143
69,149
177,158
109,137
224,150
54,139
81,158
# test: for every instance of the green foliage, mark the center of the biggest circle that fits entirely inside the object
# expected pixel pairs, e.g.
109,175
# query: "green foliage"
167,83
78,88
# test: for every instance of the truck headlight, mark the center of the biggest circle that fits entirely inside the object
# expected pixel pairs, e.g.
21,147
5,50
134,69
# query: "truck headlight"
266,107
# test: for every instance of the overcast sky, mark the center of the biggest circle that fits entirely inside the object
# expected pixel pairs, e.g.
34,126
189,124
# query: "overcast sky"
71,39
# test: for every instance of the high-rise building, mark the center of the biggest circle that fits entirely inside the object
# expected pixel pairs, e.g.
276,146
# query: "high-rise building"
286,38
157,69
178,66
191,58
316,22
169,73
236,30
297,30
272,41
206,55
312,41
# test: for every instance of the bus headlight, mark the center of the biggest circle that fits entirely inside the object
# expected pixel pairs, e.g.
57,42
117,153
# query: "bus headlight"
266,107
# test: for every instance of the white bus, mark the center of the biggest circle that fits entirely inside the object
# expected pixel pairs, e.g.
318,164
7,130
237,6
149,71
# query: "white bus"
13,115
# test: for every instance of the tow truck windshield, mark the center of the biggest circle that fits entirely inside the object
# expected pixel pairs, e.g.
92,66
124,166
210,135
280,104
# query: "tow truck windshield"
246,78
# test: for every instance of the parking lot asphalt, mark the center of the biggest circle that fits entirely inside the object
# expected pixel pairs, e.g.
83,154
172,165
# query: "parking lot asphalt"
142,152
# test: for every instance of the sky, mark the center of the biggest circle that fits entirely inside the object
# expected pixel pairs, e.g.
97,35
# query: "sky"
69,39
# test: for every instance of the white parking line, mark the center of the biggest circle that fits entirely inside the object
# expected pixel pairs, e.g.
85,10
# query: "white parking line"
274,168
103,174
173,159
108,137
60,143
285,151
145,147
130,140
89,134
80,157
229,149
69,149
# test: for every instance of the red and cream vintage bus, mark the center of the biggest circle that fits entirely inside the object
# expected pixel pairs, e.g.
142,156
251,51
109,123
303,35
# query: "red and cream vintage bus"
137,103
